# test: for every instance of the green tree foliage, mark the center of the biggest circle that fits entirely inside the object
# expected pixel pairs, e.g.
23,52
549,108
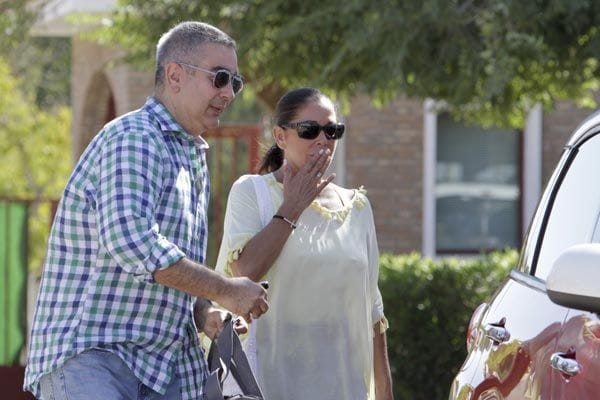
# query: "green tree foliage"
16,18
44,65
35,121
33,144
488,61
35,148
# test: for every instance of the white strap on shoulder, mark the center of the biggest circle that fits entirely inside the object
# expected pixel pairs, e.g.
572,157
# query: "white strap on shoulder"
263,199
265,209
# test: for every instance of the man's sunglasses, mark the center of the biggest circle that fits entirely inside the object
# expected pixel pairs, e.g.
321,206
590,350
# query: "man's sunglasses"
221,77
311,129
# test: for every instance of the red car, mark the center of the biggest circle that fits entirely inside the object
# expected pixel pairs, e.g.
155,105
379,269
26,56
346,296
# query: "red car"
538,337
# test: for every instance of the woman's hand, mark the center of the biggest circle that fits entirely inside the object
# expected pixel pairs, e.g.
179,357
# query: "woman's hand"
301,188
213,322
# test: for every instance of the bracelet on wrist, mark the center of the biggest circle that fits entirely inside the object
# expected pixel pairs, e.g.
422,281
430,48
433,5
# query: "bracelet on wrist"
289,221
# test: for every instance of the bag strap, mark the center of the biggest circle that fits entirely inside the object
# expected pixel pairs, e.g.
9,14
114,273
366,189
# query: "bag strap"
265,210
263,199
225,356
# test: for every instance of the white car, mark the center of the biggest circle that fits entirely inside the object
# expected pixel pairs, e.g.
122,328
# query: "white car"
538,337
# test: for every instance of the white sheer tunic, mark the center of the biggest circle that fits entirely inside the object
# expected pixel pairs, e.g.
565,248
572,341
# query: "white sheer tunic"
316,340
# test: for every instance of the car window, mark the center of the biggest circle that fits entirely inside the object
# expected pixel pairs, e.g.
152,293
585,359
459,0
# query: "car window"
596,235
574,216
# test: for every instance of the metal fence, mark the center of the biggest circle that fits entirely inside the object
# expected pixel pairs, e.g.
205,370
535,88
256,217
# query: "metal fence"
234,151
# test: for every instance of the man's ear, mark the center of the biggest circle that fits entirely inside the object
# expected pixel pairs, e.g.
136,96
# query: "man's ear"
173,76
279,136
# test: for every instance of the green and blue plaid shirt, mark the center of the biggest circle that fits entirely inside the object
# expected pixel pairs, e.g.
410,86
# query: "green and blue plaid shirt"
135,203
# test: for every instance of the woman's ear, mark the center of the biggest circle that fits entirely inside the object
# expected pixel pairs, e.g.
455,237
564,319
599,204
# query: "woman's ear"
279,136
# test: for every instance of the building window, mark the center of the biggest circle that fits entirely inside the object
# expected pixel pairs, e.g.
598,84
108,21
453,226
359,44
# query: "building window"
477,188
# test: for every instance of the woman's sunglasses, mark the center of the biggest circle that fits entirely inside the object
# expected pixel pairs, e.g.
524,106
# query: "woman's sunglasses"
311,129
221,77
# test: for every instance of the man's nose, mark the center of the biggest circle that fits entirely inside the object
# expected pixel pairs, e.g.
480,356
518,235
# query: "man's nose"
227,91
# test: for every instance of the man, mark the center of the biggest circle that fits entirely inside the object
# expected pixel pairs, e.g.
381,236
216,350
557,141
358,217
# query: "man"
114,315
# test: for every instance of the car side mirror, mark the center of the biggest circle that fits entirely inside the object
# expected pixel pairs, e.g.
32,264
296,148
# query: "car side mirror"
574,280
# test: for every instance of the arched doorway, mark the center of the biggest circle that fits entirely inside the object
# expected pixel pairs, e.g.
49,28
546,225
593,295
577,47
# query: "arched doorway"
99,108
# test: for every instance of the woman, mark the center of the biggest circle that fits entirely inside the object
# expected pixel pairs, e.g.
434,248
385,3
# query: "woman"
324,334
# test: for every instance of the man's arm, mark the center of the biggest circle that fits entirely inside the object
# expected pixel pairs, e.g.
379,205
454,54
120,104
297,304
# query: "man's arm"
241,296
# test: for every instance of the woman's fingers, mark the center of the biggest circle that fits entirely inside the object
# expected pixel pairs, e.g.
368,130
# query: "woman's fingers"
314,164
240,325
323,163
304,185
325,182
309,167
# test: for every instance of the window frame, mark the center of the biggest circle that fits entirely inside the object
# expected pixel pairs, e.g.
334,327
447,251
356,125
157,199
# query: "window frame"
530,257
529,183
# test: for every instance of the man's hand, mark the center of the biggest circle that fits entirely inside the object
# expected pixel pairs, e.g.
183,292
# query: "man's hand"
245,298
241,296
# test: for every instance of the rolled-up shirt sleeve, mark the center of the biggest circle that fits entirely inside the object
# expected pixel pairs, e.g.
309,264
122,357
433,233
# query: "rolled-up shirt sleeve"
129,185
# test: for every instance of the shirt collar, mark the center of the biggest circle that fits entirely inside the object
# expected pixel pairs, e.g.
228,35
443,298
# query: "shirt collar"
168,123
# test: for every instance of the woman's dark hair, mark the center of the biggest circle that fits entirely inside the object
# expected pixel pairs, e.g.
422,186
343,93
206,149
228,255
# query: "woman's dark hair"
286,110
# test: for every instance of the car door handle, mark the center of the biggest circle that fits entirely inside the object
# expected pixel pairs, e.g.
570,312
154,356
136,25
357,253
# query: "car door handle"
563,363
497,332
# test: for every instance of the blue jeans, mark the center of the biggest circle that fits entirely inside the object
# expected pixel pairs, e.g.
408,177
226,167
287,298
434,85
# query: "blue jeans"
100,375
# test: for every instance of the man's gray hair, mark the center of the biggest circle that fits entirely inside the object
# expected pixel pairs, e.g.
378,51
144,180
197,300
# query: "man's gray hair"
183,40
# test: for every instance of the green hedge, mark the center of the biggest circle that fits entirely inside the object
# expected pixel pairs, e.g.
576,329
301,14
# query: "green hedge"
429,304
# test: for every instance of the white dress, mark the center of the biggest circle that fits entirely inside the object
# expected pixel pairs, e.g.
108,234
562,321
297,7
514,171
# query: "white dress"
316,340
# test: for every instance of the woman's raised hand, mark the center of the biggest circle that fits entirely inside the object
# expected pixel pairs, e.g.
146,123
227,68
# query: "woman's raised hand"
301,188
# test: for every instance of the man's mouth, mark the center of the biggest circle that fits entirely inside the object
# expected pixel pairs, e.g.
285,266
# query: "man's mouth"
218,109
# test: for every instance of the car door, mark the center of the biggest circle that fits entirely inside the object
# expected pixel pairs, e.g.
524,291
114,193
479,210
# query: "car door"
522,331
516,335
576,360
575,219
